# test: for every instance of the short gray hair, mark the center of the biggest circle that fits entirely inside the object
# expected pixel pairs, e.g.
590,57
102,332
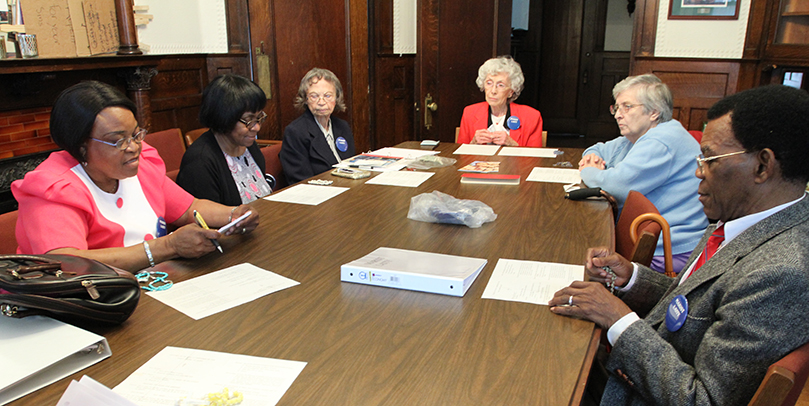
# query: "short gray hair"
653,94
316,75
502,64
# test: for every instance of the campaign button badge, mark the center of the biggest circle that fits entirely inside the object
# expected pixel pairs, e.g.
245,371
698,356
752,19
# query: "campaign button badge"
513,123
342,144
676,313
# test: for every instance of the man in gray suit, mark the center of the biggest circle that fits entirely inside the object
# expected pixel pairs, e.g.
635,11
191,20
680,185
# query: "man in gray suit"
742,301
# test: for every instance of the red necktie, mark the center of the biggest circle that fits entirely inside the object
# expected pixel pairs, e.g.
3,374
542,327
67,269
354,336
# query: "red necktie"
714,241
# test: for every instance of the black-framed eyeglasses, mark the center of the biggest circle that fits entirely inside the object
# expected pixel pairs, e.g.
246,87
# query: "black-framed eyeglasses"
701,159
123,143
624,108
259,119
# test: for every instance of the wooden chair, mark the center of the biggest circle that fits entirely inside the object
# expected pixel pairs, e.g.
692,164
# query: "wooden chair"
784,380
457,131
8,236
273,163
638,229
171,147
192,135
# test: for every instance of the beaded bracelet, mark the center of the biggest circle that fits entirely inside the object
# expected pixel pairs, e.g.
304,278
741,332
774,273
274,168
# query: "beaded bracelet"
153,281
148,253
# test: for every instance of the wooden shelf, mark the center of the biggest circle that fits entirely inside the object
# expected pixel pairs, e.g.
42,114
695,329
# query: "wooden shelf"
33,65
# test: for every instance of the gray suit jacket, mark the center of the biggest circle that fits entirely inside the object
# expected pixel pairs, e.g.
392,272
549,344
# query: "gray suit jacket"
748,306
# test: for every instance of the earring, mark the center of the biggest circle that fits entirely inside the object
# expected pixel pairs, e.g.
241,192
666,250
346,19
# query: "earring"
84,163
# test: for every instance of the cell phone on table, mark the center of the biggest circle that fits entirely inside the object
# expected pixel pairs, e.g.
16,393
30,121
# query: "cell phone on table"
233,223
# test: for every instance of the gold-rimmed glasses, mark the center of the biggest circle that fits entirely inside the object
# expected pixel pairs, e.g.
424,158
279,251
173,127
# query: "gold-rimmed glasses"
701,159
314,97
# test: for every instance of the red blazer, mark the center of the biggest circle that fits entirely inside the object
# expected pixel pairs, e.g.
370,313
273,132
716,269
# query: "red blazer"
476,117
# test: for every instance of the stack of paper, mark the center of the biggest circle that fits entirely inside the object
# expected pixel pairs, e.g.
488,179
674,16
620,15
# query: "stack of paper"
88,392
414,270
37,351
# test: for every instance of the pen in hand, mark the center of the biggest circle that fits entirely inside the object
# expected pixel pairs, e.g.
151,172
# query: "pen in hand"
200,222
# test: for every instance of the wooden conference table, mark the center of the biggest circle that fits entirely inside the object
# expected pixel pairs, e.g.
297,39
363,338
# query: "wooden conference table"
368,345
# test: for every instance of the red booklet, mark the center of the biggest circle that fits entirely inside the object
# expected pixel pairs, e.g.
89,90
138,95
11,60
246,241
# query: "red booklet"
490,178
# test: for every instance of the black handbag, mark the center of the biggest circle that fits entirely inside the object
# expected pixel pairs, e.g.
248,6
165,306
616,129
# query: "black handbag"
69,288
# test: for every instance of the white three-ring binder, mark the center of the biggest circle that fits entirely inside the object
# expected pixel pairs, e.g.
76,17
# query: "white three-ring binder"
414,270
36,351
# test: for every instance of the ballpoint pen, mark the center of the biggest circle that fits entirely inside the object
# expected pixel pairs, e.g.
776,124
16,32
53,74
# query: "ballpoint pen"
200,222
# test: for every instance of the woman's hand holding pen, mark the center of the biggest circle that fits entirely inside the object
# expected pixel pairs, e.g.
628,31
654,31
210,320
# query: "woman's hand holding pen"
190,241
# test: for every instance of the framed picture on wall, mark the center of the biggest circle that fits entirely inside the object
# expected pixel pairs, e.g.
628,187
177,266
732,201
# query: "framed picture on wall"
704,9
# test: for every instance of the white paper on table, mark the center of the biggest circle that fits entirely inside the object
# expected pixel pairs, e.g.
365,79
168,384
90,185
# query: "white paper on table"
403,178
530,281
88,392
554,175
406,153
311,195
527,151
175,373
221,290
474,149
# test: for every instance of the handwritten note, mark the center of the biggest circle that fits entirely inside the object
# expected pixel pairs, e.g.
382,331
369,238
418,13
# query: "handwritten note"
50,21
102,26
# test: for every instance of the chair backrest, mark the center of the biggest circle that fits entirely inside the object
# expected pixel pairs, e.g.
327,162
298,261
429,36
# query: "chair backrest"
170,146
274,165
784,380
696,134
192,135
544,139
8,236
457,131
638,229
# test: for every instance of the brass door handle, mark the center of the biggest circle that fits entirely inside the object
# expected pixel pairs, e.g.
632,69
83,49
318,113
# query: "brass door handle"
429,107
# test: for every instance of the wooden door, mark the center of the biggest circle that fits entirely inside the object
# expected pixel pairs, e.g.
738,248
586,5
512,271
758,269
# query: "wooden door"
455,38
575,75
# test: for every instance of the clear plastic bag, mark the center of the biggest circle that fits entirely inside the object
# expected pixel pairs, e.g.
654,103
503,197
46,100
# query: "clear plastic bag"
438,207
431,161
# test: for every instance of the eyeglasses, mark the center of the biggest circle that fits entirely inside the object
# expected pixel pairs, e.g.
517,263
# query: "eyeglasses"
499,85
123,143
624,108
314,97
259,119
701,159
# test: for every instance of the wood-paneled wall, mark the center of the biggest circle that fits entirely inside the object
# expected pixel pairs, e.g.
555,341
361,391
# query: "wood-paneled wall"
695,84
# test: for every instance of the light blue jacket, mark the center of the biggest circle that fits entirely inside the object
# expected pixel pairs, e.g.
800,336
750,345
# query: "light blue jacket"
661,164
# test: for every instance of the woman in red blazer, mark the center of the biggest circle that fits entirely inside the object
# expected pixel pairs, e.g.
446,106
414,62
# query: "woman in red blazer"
498,120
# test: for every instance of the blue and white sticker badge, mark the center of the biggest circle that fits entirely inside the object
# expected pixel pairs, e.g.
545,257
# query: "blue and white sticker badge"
341,144
161,227
513,123
677,313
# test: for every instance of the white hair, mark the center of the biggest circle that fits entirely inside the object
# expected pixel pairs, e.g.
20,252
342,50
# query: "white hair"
502,64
